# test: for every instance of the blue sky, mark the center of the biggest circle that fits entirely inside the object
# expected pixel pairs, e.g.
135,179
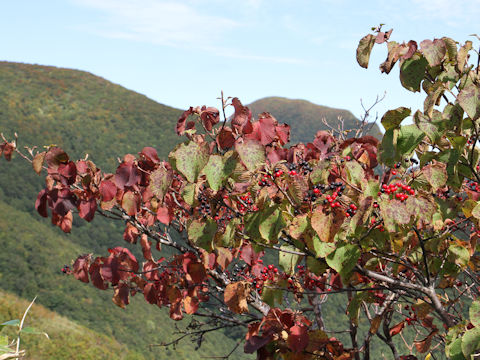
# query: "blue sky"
183,53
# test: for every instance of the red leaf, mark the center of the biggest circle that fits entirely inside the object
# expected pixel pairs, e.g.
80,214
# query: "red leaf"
256,342
323,142
41,203
397,328
150,293
63,222
68,173
241,118
298,338
283,133
209,117
55,156
412,49
180,129
120,295
146,248
127,174
150,154
87,208
249,255
7,150
197,272
130,234
80,268
62,201
176,311
225,138
95,276
108,190
165,215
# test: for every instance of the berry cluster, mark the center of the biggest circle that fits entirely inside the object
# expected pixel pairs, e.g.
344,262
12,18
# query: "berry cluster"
412,317
351,210
394,187
66,269
302,168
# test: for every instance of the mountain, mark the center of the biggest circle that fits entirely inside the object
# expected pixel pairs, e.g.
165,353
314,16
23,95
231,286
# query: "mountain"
85,114
304,117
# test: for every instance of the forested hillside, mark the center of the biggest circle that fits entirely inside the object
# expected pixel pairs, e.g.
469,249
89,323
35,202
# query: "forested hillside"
84,113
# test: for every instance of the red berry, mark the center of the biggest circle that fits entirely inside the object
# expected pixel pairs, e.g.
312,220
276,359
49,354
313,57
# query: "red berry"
316,191
353,206
394,172
270,267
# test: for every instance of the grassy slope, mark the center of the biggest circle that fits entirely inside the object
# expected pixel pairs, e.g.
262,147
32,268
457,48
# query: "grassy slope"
68,340
304,117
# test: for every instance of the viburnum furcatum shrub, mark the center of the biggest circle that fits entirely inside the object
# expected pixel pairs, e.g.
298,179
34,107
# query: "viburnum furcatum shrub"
389,226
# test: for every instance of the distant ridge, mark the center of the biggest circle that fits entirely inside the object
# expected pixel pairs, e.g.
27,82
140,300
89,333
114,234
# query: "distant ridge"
304,117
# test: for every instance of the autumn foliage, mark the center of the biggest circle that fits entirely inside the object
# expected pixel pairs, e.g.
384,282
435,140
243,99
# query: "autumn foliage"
390,226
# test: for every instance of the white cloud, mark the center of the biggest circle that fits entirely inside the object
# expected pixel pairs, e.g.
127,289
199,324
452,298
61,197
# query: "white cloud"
159,22
454,13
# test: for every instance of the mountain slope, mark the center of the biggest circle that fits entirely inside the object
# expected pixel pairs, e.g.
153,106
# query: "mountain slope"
304,117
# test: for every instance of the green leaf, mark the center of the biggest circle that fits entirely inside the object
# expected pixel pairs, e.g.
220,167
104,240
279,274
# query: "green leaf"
287,260
412,72
469,100
270,295
364,49
201,233
454,350
408,139
214,172
393,118
430,101
271,225
470,342
387,151
344,259
421,207
298,226
251,152
459,254
188,194
316,266
436,174
474,313
371,188
355,172
189,159
322,249
15,322
468,206
476,211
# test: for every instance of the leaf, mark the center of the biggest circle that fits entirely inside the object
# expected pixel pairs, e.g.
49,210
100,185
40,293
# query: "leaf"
271,225
434,51
191,304
224,258
423,346
462,55
189,159
436,174
225,138
235,296
108,190
474,313
431,100
288,261
394,212
393,118
469,100
395,330
454,350
15,322
470,342
430,128
201,233
408,139
131,203
160,181
459,254
37,162
355,172
321,248
298,338
165,215
412,72
251,152
218,169
344,259
326,224
364,49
